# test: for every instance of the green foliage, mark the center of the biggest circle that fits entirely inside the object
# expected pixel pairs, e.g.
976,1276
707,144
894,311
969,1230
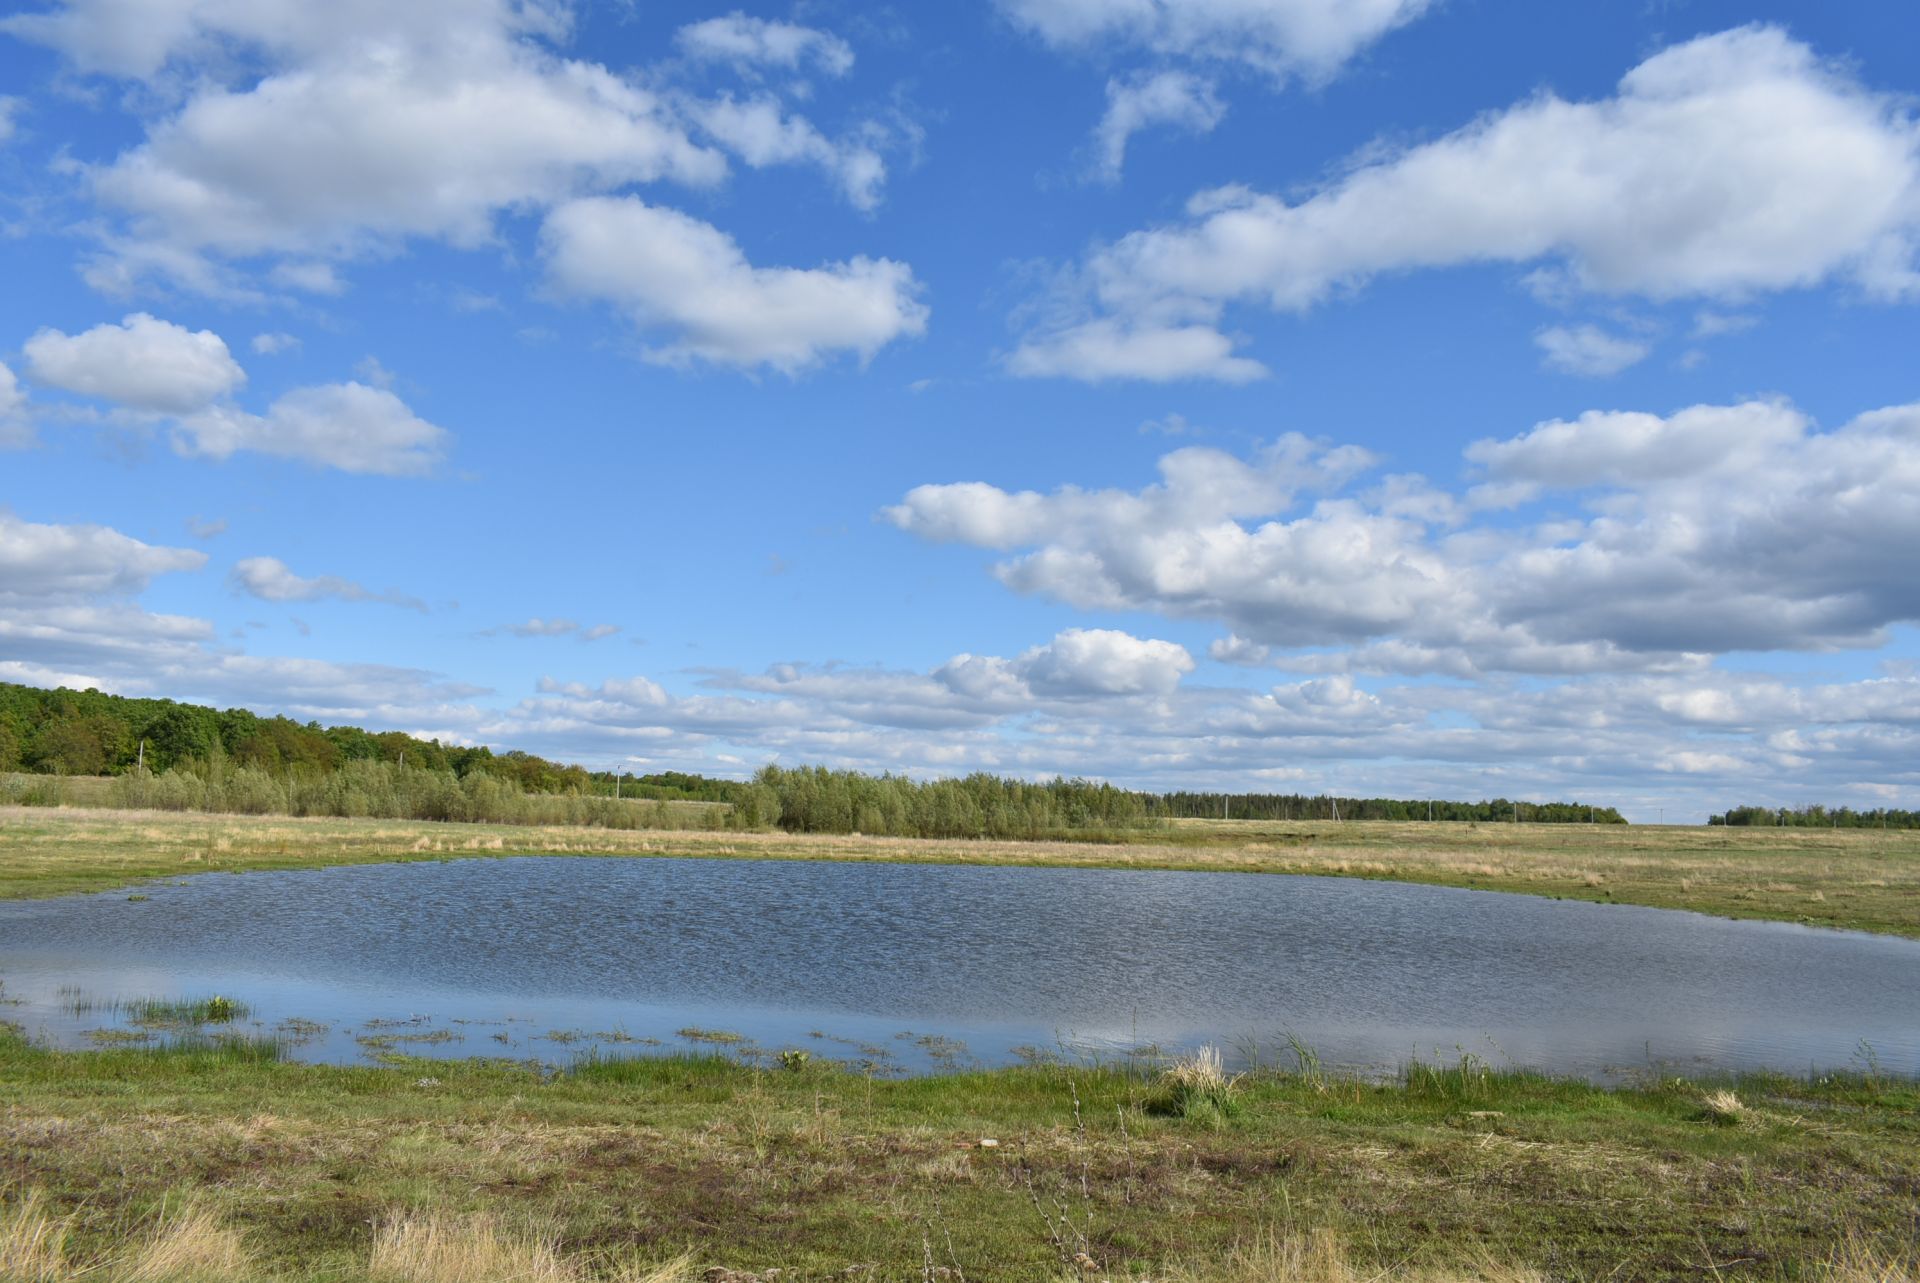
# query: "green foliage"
819,800
1817,817
1301,806
389,791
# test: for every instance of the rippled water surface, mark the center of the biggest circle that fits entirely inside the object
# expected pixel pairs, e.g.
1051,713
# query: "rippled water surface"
923,966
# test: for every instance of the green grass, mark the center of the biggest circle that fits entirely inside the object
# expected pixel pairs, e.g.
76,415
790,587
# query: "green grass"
216,1010
816,1170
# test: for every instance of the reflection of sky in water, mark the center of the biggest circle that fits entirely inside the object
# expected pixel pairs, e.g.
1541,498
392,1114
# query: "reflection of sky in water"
501,953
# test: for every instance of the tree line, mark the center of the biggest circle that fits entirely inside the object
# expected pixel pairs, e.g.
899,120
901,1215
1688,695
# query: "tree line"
1816,817
70,732
174,756
1301,806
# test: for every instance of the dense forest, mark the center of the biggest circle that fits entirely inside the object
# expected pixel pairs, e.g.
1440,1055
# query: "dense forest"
173,756
1817,817
1297,806
68,732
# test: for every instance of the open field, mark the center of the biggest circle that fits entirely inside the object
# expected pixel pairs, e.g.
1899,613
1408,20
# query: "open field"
821,1173
1860,878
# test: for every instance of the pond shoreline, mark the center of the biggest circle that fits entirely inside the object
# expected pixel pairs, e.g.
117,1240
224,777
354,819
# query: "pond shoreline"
1859,880
922,967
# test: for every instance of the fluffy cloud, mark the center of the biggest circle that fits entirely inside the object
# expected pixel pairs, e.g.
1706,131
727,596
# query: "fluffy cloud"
753,43
153,371
348,426
1589,350
68,614
1172,98
1748,163
674,273
15,428
141,363
1102,661
270,579
140,38
291,138
1642,741
1103,349
1714,529
308,133
762,133
1278,37
65,564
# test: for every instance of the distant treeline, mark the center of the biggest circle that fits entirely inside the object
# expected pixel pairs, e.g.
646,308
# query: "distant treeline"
1299,806
176,756
1816,817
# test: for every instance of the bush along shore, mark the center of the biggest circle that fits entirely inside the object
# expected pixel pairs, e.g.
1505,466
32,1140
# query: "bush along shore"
219,1161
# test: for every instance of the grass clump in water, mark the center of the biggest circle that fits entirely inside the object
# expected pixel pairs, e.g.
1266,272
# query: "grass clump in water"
216,1010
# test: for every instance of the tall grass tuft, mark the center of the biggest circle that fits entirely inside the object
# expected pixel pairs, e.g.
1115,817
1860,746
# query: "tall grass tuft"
1321,1257
1198,1087
434,1247
1858,1261
1724,1107
191,1246
33,1242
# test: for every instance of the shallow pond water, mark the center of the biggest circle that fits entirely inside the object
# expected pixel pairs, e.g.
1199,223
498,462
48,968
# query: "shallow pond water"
916,966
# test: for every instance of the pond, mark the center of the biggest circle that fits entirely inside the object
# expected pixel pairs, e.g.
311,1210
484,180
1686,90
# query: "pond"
915,967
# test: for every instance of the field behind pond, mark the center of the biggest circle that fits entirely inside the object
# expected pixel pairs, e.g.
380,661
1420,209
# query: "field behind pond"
1856,878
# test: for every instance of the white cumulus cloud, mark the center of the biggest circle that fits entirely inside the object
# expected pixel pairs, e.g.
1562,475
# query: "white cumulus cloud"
749,42
1743,162
763,133
16,429
348,426
1589,350
1717,528
1279,37
1176,99
270,579
675,274
142,363
68,563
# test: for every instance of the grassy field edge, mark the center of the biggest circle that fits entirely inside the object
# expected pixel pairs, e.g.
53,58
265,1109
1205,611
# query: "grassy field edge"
1038,1172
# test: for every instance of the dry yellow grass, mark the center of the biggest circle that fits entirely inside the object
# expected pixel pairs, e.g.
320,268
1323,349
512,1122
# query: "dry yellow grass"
190,1246
437,1248
33,1242
1322,1257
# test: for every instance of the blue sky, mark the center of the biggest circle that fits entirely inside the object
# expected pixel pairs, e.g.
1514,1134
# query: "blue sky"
1420,398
